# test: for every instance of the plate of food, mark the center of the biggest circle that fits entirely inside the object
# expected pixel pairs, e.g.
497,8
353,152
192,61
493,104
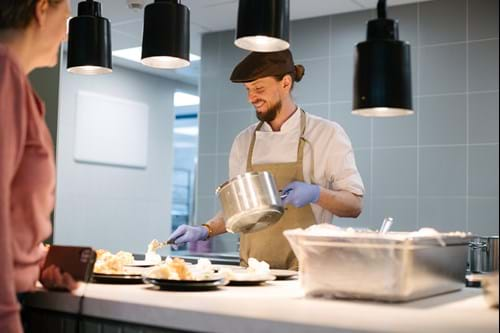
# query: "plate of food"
186,285
175,274
117,278
248,279
284,274
142,263
256,273
110,268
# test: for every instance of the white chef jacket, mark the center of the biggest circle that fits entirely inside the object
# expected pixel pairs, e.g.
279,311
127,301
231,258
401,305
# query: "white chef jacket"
334,163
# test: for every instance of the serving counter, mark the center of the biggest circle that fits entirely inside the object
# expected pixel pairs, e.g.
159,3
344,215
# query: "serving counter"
277,306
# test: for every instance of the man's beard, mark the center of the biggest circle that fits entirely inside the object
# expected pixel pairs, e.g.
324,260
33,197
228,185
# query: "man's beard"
270,114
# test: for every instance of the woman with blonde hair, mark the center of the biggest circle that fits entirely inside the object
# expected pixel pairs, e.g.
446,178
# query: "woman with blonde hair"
31,32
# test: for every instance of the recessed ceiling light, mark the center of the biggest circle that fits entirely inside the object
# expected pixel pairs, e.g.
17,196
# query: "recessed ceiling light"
191,130
184,99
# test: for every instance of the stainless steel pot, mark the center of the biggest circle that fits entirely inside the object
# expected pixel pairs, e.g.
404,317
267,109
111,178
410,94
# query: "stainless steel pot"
483,254
250,202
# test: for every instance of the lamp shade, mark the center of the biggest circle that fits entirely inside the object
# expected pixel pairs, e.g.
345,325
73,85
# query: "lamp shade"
382,74
165,39
263,25
89,41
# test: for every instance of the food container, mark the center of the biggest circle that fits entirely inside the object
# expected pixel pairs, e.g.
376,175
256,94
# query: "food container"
393,267
483,254
250,202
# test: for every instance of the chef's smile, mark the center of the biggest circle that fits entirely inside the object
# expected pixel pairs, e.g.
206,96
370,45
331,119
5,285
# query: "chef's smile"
259,105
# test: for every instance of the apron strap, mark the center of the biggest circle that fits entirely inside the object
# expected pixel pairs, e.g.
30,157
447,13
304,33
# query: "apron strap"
300,149
252,145
300,152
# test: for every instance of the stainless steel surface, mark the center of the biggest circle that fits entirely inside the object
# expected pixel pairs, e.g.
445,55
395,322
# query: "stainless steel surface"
483,254
250,202
492,254
229,258
386,225
379,268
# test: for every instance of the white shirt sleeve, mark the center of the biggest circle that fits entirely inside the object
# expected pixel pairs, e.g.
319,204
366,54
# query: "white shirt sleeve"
342,165
238,156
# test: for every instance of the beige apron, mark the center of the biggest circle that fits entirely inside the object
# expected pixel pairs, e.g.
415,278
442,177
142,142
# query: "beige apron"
270,244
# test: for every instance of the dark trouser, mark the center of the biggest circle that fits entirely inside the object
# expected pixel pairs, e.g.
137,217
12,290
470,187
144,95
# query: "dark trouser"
21,298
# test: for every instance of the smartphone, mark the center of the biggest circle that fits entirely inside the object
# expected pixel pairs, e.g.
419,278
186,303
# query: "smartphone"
75,260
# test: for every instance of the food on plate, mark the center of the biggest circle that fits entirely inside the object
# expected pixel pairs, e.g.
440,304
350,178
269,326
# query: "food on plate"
172,269
100,252
125,257
256,270
151,255
108,263
258,267
335,231
178,269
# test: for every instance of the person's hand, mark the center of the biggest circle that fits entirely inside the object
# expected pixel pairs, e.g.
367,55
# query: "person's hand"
300,194
186,234
53,279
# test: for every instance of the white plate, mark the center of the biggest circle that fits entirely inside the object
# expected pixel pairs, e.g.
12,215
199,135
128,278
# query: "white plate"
142,263
284,274
244,276
247,279
186,285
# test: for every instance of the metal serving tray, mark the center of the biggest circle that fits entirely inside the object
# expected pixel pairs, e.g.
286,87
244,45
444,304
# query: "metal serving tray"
377,267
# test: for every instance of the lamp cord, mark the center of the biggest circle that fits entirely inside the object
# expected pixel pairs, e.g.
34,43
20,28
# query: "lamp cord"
382,9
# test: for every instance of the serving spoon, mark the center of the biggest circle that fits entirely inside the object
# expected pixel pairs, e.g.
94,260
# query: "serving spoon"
386,225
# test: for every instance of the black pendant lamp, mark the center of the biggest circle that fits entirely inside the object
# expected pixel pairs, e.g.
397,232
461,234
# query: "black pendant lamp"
89,41
263,25
382,74
165,38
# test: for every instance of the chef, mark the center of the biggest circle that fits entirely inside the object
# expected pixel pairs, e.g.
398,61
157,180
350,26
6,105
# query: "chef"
310,158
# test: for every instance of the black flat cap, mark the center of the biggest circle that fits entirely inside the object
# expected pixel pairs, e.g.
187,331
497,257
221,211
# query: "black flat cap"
262,64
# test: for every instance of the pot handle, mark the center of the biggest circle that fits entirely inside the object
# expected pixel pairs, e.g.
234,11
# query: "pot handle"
284,195
477,245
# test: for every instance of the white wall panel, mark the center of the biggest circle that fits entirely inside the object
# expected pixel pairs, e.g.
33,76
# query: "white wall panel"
111,130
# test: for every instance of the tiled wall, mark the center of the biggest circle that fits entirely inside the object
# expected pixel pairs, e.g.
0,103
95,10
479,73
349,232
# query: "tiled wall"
44,80
436,168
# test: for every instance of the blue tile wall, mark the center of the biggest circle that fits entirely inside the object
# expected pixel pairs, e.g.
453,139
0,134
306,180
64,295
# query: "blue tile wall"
443,120
442,22
438,167
443,69
483,117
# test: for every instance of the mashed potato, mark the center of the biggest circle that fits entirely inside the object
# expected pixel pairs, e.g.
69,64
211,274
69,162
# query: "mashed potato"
108,263
172,269
151,255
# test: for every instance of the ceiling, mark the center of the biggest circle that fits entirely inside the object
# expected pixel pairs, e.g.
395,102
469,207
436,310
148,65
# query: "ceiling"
208,16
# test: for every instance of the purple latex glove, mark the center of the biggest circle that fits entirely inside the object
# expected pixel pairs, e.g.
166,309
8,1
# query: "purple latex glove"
186,234
300,194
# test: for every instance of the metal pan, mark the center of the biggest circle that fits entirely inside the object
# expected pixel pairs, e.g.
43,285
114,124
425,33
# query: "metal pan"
250,202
